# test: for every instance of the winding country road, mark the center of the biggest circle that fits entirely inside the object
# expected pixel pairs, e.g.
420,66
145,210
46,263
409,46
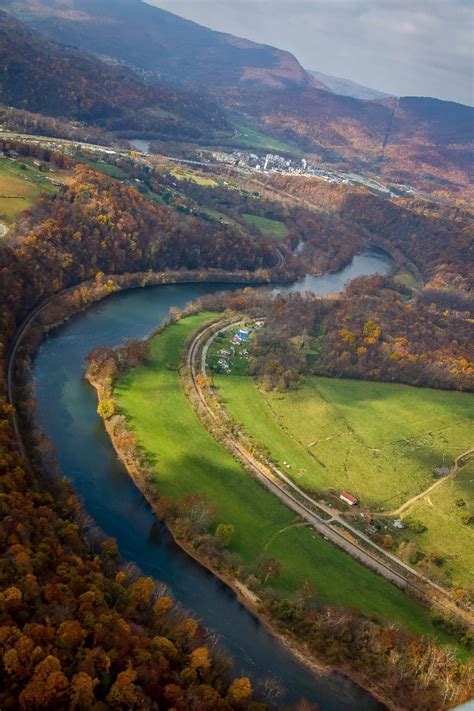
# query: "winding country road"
323,519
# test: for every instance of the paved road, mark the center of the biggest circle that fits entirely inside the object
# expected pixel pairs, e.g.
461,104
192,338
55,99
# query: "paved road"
323,519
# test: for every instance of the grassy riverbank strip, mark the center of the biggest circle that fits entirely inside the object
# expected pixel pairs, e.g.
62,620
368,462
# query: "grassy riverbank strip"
186,459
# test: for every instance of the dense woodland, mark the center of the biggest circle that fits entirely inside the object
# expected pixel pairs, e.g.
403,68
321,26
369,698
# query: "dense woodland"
435,238
77,630
55,81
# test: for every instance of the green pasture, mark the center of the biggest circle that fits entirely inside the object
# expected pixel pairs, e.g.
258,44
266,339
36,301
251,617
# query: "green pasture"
272,228
246,137
21,184
185,459
379,441
446,512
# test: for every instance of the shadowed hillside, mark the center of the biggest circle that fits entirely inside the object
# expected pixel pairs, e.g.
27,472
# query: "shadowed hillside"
44,77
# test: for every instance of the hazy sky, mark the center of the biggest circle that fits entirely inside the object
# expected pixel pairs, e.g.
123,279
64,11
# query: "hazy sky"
403,47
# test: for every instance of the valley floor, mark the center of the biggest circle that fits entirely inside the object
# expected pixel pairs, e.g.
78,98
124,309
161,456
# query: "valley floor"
186,459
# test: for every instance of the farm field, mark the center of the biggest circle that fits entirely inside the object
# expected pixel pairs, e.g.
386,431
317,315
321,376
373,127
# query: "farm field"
20,187
185,459
272,228
444,512
379,441
181,173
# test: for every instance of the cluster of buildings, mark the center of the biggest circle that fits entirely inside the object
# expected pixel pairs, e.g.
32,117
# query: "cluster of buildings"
275,163
240,338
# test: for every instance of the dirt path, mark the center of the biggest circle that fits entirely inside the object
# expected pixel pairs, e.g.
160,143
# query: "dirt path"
458,464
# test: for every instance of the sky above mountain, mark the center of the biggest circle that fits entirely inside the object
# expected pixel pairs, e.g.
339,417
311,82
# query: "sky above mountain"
402,47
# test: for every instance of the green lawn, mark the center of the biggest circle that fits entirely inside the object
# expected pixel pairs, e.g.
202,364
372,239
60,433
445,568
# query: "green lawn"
112,171
272,228
21,184
380,441
187,459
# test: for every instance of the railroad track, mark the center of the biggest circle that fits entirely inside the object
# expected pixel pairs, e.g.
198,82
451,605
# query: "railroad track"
379,560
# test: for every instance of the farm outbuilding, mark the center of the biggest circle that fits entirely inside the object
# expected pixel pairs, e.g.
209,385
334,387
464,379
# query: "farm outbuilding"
348,498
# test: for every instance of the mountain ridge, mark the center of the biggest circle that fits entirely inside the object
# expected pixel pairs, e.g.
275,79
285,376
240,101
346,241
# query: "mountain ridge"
424,142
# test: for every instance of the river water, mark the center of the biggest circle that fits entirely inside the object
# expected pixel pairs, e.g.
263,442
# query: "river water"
67,411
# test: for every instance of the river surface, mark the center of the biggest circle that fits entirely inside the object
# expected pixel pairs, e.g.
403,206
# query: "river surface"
67,411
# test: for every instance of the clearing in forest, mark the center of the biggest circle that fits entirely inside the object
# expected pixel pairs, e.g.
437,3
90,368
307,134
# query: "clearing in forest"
272,228
21,184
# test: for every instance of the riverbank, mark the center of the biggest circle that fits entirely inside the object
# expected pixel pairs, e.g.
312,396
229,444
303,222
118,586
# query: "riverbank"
89,467
176,467
245,596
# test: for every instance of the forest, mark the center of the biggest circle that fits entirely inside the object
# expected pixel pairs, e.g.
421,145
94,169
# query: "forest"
77,628
54,81
372,331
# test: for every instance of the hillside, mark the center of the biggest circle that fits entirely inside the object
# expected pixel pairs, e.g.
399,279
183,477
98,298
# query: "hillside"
422,142
41,76
346,87
158,41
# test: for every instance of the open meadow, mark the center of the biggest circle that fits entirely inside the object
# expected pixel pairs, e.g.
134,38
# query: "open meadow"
186,459
275,229
21,184
447,514
379,441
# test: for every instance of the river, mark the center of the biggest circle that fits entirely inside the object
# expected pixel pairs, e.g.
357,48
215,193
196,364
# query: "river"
67,412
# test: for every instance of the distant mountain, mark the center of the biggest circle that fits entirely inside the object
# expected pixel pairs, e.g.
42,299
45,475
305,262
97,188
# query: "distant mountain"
158,41
422,142
42,76
346,87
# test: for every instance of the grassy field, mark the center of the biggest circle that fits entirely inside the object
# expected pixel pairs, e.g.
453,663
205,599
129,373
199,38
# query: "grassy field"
112,171
272,228
181,173
443,514
187,459
20,187
379,441
248,138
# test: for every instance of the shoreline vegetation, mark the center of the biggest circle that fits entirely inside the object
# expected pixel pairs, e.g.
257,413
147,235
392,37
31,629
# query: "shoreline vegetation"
36,452
125,443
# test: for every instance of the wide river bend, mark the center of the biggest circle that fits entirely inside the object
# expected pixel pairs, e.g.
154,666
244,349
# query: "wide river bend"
67,411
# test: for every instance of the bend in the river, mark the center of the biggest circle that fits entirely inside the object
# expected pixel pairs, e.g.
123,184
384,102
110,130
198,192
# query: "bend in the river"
67,411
